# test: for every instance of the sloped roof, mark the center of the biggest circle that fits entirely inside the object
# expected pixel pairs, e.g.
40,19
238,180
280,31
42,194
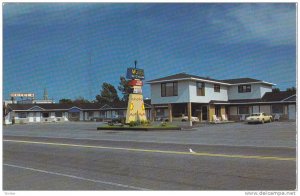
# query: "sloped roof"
278,96
67,106
291,98
240,80
185,76
282,96
181,76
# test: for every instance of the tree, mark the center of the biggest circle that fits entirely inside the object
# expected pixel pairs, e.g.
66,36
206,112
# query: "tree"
292,89
65,101
108,95
275,90
124,88
81,100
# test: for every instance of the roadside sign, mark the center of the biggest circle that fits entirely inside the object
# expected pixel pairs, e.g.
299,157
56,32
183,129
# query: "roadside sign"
134,73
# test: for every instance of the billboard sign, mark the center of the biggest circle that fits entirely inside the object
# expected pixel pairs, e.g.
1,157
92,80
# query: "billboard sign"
135,83
134,73
135,90
22,95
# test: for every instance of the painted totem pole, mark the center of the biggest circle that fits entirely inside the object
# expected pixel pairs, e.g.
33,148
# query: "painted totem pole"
135,108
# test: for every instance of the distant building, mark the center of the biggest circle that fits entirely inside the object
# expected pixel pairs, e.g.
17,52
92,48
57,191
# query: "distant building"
28,98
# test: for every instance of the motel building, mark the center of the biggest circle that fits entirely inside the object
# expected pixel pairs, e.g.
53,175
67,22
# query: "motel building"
183,95
174,98
61,112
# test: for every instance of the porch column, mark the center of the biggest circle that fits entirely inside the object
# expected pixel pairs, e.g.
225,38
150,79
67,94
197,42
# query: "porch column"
211,112
170,112
153,113
189,112
201,114
223,111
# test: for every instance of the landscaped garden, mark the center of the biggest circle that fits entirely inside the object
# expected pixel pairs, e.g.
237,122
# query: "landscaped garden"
143,125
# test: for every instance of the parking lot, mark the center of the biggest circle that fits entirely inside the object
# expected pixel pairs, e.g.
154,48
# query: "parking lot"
275,134
75,156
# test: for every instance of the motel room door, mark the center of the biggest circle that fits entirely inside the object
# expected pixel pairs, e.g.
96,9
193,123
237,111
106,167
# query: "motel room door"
74,114
292,112
204,113
255,109
218,110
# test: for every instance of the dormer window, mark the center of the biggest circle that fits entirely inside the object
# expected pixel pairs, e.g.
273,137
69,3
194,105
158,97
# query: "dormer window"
244,88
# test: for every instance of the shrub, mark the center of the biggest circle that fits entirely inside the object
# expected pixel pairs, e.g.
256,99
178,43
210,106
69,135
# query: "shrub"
123,120
133,123
145,122
163,124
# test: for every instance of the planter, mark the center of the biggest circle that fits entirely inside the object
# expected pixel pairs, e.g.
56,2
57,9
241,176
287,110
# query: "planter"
139,128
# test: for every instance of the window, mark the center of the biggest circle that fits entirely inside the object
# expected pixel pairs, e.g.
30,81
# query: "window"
102,113
200,88
74,114
22,115
243,110
217,88
91,114
58,114
277,109
45,114
244,88
169,89
160,112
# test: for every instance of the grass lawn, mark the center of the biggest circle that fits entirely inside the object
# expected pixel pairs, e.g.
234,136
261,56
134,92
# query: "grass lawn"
140,127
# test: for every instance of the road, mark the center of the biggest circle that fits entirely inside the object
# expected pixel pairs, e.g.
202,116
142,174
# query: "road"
45,163
275,134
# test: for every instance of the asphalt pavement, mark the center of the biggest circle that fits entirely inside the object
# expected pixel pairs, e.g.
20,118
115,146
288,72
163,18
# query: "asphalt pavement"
275,134
75,157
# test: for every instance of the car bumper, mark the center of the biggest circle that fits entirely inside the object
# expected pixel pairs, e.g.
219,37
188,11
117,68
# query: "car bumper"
253,121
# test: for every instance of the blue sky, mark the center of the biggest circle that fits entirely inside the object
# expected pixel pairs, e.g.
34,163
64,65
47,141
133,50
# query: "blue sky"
71,49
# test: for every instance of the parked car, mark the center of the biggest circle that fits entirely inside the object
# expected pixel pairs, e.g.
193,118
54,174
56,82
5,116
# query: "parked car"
116,119
193,119
162,118
259,118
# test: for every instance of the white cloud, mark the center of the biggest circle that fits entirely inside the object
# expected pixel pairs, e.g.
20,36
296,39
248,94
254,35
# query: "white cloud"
273,24
39,13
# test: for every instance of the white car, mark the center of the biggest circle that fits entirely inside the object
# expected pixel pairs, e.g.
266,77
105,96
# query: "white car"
259,118
193,119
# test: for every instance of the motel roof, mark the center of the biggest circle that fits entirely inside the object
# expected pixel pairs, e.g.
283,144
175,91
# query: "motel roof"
269,97
280,96
68,106
185,76
181,76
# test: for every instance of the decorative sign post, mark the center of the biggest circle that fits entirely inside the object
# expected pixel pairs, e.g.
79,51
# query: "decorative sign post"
135,108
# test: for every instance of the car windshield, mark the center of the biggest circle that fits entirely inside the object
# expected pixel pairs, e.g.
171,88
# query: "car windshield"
255,114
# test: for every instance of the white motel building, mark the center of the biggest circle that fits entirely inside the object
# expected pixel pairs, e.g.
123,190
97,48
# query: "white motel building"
172,98
193,96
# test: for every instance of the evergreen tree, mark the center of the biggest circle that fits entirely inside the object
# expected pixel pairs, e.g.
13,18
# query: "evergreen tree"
124,88
276,90
108,95
81,100
65,101
292,89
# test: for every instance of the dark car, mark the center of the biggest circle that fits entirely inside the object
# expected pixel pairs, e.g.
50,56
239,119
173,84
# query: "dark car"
116,119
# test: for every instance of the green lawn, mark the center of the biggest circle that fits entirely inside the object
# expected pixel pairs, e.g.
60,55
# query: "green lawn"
146,127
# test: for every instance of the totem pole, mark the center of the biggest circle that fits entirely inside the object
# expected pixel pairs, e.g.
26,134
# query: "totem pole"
135,108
